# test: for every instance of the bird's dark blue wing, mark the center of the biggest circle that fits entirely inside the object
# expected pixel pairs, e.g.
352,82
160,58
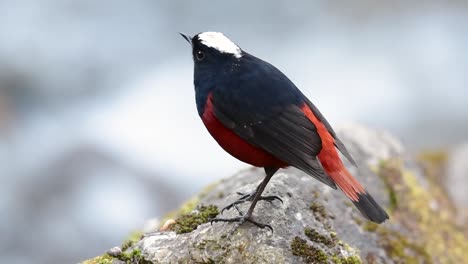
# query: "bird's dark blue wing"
263,107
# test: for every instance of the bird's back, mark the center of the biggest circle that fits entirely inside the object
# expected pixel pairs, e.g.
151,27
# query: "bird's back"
256,86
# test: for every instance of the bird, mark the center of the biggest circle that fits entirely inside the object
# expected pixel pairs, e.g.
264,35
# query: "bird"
259,116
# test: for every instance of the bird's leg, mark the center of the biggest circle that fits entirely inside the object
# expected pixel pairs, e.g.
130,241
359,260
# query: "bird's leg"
254,198
250,197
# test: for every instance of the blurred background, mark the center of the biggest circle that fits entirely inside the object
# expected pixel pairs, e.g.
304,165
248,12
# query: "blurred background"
98,125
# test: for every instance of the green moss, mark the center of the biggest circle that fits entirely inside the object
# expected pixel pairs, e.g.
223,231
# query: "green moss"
393,199
186,223
358,220
387,173
307,252
432,234
370,226
134,237
184,210
434,167
104,259
346,260
321,214
400,249
190,204
319,210
131,257
434,157
319,238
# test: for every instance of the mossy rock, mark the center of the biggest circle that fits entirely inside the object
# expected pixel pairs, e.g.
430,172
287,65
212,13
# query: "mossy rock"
425,212
188,222
316,224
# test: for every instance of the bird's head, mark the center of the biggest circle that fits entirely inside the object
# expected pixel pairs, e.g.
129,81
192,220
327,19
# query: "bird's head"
213,50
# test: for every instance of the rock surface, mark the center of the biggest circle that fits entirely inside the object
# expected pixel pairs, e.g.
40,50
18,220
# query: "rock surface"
316,224
457,180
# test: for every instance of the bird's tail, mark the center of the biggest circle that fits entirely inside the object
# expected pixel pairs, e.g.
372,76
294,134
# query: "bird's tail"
355,192
334,167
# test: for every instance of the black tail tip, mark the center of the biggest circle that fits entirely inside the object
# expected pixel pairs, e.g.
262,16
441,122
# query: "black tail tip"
370,209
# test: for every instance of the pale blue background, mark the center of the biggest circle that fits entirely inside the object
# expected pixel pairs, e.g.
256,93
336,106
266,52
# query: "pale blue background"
98,125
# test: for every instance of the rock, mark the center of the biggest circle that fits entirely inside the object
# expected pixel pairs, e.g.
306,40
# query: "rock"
114,252
457,180
6,114
317,224
369,146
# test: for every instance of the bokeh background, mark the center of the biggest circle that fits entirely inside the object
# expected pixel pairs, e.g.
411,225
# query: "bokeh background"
98,125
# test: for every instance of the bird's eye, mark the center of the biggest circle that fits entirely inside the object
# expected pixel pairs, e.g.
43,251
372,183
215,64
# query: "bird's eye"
200,55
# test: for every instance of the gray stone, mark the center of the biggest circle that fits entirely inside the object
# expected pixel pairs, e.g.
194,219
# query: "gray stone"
457,180
317,224
115,252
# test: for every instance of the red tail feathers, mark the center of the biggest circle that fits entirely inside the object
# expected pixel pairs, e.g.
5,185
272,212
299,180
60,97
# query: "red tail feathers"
331,161
347,183
333,166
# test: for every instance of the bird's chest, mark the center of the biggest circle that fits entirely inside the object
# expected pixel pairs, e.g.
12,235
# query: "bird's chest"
233,144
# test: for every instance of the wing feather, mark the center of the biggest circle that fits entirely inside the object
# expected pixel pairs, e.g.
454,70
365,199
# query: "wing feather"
289,136
338,144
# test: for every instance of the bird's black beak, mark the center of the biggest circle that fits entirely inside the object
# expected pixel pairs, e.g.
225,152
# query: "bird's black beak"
187,38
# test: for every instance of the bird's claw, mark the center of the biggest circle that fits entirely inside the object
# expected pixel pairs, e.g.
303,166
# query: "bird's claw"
242,219
248,198
238,210
234,204
271,198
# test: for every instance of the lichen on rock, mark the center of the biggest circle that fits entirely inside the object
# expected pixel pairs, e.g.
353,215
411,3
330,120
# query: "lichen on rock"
188,222
308,253
426,215
316,224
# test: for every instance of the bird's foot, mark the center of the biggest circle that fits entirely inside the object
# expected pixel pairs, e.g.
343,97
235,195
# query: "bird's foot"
248,198
242,219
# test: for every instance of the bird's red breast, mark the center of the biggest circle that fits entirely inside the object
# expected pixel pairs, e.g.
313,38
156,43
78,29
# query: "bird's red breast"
235,145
